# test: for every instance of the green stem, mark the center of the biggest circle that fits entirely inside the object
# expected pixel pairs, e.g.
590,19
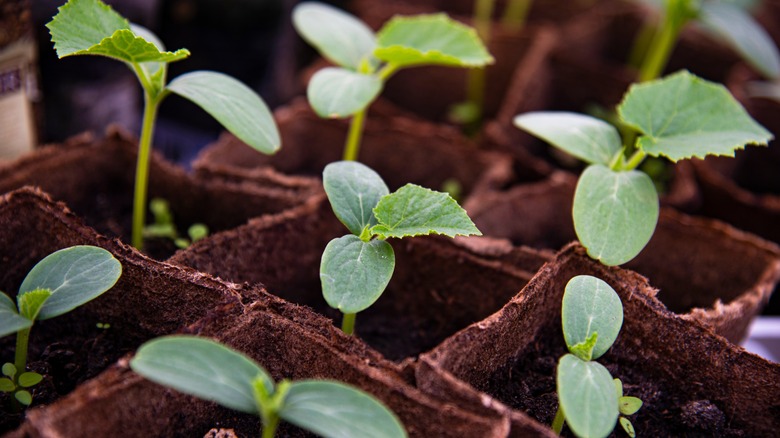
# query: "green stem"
20,355
635,160
515,14
641,44
348,323
269,426
662,44
475,81
142,168
557,424
352,148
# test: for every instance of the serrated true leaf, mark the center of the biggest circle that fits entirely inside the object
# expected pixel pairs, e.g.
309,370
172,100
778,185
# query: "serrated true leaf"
335,410
10,320
615,213
31,302
590,305
124,45
237,107
735,25
338,36
433,39
74,276
629,405
353,190
81,24
584,349
203,368
29,379
587,138
683,116
414,211
337,92
587,397
354,273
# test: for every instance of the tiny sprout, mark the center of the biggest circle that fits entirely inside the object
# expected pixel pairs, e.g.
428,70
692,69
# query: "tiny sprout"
212,371
368,61
61,282
590,400
90,27
164,226
356,268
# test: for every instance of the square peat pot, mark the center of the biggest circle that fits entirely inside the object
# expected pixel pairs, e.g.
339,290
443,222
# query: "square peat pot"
704,269
150,299
95,178
289,341
439,285
692,382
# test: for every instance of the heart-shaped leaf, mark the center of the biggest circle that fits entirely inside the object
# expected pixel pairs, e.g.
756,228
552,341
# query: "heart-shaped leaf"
338,36
74,276
335,410
433,39
683,116
354,273
590,305
587,397
203,368
81,24
237,107
353,190
414,211
615,213
587,138
336,92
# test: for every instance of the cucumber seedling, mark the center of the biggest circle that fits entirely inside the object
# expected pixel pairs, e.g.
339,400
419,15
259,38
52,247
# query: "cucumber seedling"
365,61
355,269
590,401
681,116
90,27
212,371
61,282
164,226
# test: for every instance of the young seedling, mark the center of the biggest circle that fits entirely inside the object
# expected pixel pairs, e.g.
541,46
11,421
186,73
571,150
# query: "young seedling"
59,283
365,61
681,116
728,21
356,268
211,371
165,227
89,27
589,399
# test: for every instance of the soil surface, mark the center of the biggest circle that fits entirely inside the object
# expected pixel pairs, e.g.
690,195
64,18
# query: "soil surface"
528,385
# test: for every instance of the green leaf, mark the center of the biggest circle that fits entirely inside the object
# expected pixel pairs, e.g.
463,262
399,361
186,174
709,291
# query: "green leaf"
336,92
9,369
338,36
629,405
10,320
413,211
7,385
81,24
587,138
74,275
615,213
335,410
587,397
203,368
584,349
237,107
354,273
618,387
683,116
625,423
433,39
590,305
29,379
741,31
30,303
24,397
353,190
125,46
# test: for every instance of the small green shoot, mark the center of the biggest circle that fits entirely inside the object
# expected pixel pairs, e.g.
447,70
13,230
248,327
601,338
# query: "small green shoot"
616,206
59,283
212,371
365,61
89,27
356,268
590,400
165,227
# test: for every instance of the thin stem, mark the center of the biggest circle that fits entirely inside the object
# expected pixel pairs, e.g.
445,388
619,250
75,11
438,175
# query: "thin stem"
348,323
20,355
475,81
641,44
515,14
665,38
635,160
142,168
352,148
557,424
